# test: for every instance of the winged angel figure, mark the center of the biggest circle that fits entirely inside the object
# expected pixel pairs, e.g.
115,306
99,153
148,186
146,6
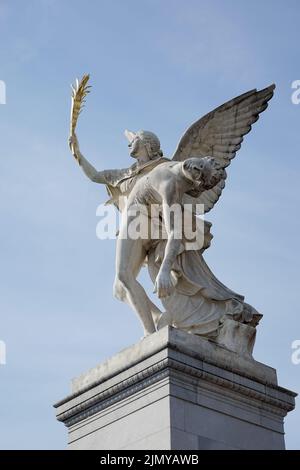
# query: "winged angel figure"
194,299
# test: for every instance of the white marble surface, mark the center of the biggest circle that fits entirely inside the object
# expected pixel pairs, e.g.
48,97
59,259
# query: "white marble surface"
173,390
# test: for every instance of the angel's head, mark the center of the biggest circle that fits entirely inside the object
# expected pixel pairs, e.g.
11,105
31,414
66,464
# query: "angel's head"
205,172
143,145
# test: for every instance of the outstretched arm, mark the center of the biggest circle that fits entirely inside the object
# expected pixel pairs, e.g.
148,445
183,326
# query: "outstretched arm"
172,216
88,169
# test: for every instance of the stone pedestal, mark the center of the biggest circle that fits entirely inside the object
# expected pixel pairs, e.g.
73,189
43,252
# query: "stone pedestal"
173,390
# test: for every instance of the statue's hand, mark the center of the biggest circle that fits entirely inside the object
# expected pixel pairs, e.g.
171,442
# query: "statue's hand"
74,146
164,284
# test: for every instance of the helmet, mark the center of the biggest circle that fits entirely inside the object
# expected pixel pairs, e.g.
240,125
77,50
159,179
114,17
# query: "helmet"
149,139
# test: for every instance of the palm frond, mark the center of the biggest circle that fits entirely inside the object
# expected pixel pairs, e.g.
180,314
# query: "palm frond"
79,93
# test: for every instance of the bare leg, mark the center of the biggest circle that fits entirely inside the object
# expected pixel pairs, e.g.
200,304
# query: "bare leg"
165,319
129,259
155,311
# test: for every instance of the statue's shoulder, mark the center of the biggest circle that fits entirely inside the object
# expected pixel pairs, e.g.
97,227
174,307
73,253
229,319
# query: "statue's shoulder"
141,169
116,177
164,165
152,163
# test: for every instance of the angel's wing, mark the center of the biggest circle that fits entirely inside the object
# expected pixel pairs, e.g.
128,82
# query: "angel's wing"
220,133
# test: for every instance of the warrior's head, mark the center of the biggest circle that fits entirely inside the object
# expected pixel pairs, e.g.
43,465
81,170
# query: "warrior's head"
143,145
205,172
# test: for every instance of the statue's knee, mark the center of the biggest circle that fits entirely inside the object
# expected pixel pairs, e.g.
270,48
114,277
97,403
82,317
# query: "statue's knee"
122,277
123,283
119,291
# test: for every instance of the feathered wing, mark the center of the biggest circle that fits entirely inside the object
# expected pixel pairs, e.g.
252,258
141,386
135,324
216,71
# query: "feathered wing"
220,133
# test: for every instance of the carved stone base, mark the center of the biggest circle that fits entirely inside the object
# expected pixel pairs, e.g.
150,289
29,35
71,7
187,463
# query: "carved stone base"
173,390
237,337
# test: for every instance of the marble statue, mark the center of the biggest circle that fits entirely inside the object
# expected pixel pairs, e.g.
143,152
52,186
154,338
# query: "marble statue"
194,299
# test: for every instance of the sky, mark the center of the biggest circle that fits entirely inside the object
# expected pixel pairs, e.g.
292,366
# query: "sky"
157,65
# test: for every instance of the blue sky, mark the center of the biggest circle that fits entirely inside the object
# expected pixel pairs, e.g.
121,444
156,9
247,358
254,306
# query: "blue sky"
157,65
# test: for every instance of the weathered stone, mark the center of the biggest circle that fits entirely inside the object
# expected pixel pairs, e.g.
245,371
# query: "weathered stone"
174,390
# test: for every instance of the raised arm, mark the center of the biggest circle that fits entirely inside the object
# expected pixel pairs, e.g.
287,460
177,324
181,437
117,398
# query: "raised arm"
91,172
